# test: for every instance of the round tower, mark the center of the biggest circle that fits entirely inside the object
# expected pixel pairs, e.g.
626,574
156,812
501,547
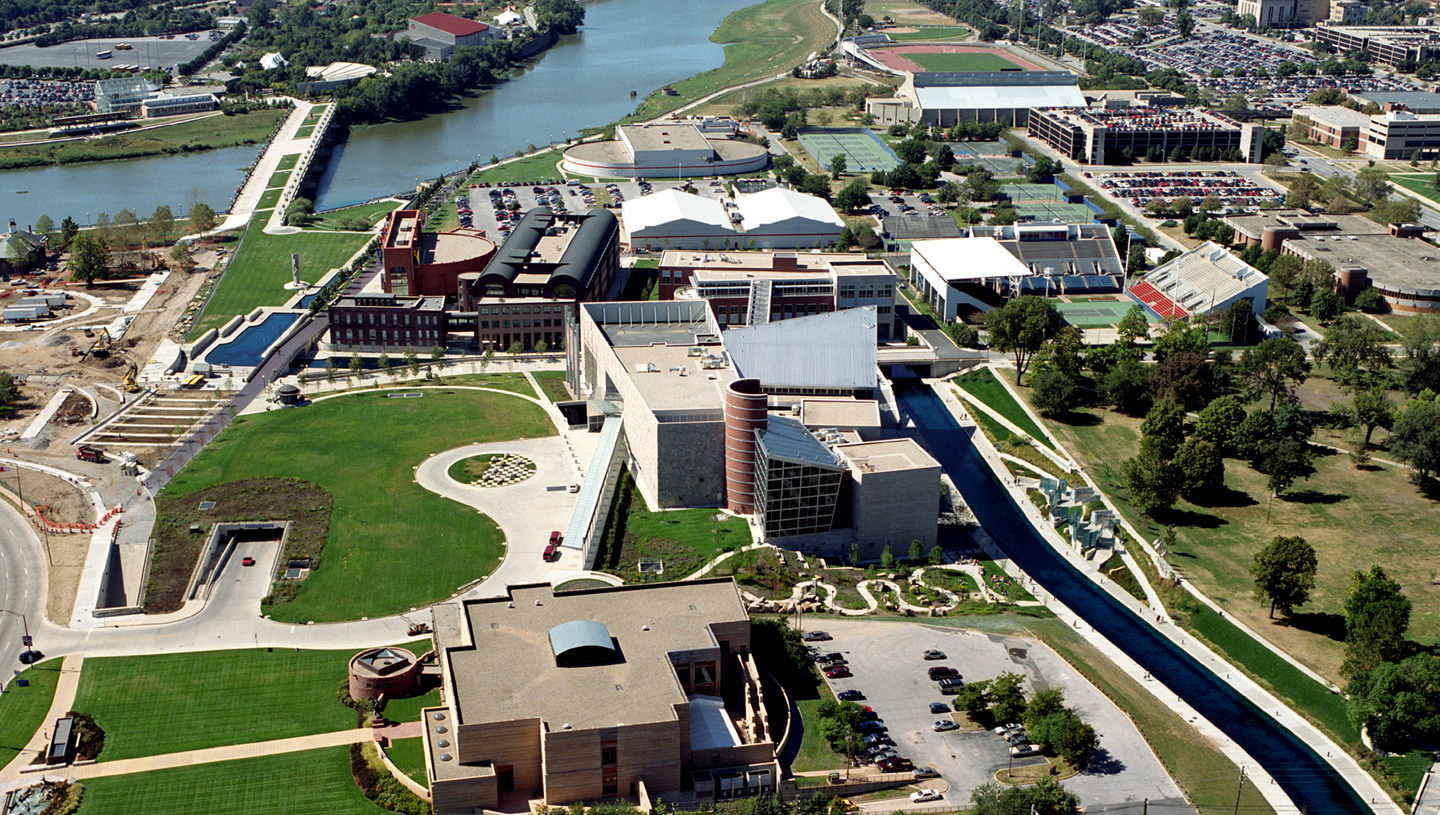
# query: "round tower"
744,414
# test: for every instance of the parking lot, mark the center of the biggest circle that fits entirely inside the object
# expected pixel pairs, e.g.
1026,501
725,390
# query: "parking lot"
145,51
570,198
1137,188
889,668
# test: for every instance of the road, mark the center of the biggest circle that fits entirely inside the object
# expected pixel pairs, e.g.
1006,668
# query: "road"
22,585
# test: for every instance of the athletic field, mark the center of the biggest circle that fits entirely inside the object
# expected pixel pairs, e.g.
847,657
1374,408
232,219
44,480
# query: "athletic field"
955,63
863,150
1094,313
918,59
1021,191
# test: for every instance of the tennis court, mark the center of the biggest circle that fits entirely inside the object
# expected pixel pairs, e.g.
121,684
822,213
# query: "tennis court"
863,150
979,148
997,165
1055,211
1021,191
1094,313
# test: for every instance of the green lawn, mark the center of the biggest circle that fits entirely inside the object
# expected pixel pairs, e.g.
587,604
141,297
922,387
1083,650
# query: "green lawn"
531,168
553,383
229,697
330,219
363,448
763,40
937,33
815,753
315,782
260,269
407,708
288,162
305,132
22,710
983,386
684,540
1419,184
209,133
268,199
978,61
278,179
409,756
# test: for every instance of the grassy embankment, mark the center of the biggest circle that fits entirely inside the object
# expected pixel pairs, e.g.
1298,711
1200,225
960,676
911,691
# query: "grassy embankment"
211,133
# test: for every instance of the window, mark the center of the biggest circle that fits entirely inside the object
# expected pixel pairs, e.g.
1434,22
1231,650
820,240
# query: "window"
607,755
608,783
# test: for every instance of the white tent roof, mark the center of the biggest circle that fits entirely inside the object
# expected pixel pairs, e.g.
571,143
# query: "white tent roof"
669,206
832,350
969,258
1004,97
273,60
508,16
778,205
710,725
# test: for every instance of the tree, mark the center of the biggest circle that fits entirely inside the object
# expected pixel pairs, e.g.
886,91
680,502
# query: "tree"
1201,470
853,196
1302,191
1377,614
1420,366
382,363
911,151
1181,337
356,364
1238,323
1007,700
1133,329
1274,368
300,212
1370,409
1254,434
1284,572
1061,353
1397,700
1186,377
201,218
1153,482
1042,704
1126,387
68,230
541,346
1054,392
9,392
1403,210
1283,462
560,16
887,558
1020,327
412,361
937,555
916,553
1370,301
183,258
944,157
46,227
1185,23
1135,260
88,260
1326,305
437,355
162,225
1416,439
974,698
1372,185
1356,350
1218,422
1047,797
837,165
1164,428
965,336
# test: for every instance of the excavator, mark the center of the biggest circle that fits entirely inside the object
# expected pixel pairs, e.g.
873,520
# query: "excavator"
100,348
129,381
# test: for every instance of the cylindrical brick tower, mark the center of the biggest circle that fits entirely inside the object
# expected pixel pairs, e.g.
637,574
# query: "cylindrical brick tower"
744,414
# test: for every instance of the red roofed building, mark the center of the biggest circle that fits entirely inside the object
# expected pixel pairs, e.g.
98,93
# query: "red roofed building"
439,34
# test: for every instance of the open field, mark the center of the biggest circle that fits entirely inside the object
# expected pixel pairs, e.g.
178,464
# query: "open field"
907,13
268,199
330,219
210,133
529,169
553,383
315,782
22,710
230,697
1423,184
261,267
961,62
983,386
409,756
363,448
763,40
683,540
939,33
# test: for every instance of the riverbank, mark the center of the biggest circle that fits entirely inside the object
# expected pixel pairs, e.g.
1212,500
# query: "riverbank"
194,135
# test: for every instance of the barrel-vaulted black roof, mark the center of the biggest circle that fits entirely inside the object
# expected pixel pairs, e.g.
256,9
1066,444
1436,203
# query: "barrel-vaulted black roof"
524,238
587,249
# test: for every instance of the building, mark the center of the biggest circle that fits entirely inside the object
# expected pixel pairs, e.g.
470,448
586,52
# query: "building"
794,284
1348,12
438,34
1413,101
1271,229
781,218
1405,271
1391,45
643,691
1331,125
21,251
273,60
1401,136
1062,258
123,95
169,104
1285,13
1118,135
951,273
665,150
382,672
671,219
1203,280
429,264
326,78
946,99
379,321
709,418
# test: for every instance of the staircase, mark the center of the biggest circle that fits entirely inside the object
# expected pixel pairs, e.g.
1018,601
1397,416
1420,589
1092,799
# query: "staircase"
759,302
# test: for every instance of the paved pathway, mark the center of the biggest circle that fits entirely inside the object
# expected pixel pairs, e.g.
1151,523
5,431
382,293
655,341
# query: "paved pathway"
61,704
254,188
212,755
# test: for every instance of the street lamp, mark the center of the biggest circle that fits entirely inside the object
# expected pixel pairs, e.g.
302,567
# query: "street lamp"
26,641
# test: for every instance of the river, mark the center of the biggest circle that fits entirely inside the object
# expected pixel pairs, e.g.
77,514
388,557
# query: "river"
1312,785
585,80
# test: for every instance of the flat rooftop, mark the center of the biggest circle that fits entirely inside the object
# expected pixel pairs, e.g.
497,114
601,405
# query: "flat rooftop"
665,137
666,387
1399,264
1253,225
1143,118
448,247
890,455
507,670
832,412
751,261
1334,115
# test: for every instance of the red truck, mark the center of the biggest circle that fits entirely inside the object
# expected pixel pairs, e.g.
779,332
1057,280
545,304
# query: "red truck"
88,453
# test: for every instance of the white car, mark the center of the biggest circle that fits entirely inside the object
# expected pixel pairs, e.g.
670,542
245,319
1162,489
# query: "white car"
921,796
1023,750
942,725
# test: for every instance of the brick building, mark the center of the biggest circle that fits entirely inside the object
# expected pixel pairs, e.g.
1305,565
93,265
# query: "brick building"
438,34
429,264
379,321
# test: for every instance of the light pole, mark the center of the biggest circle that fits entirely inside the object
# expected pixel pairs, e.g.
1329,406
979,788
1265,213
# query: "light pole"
25,640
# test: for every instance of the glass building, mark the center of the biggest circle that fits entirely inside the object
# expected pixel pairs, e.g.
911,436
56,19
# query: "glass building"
799,480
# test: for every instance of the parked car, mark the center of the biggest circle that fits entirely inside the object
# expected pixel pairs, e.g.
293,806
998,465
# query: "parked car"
925,772
921,796
939,707
951,685
850,695
898,764
876,739
933,654
1006,728
249,561
814,636
942,725
881,752
826,659
838,672
1023,750
872,726
940,672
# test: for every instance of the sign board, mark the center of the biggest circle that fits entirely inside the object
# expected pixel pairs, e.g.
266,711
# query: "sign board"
27,641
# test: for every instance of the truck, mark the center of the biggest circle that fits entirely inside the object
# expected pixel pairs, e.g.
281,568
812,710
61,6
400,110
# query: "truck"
89,453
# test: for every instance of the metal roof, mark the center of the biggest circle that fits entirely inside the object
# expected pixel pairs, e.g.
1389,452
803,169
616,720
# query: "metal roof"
785,438
667,207
1003,97
586,250
515,251
834,350
761,210
450,24
566,639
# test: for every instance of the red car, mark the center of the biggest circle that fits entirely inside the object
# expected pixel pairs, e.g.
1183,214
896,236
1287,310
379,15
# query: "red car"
838,672
249,561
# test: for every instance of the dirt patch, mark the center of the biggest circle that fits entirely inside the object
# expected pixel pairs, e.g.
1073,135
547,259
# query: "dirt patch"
176,548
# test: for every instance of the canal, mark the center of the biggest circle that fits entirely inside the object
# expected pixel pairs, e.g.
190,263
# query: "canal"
585,80
1312,784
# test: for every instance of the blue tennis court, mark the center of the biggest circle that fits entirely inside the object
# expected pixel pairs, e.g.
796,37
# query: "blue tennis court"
862,149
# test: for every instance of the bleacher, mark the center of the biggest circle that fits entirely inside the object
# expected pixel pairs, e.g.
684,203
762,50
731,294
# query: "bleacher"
1089,284
1204,278
1155,301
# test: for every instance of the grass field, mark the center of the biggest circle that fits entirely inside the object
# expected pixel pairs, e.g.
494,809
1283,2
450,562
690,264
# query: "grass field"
278,179
1419,184
983,386
531,168
260,269
553,383
684,540
305,131
268,199
407,708
230,697
962,62
22,710
288,162
760,41
409,756
330,219
939,33
315,782
210,133
363,448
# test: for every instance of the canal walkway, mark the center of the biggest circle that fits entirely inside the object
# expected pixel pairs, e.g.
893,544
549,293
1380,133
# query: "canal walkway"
286,142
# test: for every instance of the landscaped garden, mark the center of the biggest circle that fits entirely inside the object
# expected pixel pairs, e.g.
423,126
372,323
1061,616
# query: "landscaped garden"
362,448
642,547
553,383
492,470
408,755
983,386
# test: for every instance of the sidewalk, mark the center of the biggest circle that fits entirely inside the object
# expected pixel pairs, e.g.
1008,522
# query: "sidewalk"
61,704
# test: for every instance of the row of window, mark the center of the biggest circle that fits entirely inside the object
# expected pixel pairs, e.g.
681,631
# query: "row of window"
867,293
386,318
383,337
522,310
518,323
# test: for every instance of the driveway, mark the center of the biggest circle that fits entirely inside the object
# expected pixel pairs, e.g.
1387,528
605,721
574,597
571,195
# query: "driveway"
888,667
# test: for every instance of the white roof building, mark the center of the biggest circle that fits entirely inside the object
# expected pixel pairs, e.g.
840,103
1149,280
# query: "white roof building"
784,219
273,60
825,354
508,17
1205,279
671,219
941,268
